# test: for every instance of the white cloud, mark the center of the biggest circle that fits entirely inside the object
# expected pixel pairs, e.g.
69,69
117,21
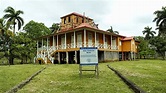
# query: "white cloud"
129,17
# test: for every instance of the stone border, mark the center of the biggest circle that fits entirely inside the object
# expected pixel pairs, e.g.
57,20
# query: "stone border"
131,85
22,84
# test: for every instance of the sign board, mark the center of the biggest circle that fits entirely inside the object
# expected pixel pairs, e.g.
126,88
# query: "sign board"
88,56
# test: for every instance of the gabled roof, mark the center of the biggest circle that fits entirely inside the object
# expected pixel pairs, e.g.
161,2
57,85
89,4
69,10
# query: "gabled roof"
76,15
127,38
85,25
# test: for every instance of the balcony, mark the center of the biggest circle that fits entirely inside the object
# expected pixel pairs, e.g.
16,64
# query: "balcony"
51,49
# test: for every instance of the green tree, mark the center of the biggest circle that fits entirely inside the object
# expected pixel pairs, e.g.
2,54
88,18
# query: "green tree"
4,26
5,38
32,30
24,45
35,29
112,31
148,33
116,32
144,48
160,20
159,44
13,16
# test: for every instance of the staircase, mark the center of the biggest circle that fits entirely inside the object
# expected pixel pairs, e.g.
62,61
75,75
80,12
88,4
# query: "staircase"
46,56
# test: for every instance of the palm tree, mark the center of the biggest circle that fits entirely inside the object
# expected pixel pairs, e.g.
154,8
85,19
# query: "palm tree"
14,17
4,26
116,32
160,20
148,33
112,31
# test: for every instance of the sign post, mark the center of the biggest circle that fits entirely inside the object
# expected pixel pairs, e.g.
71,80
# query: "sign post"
89,57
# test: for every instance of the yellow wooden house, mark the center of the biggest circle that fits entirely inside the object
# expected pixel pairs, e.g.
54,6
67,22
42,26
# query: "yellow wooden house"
77,31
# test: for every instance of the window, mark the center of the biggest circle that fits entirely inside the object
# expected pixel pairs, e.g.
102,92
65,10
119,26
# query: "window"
69,19
77,19
64,20
120,43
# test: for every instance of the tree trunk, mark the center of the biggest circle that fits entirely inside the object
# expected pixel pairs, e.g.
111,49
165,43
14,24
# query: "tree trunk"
14,28
26,59
11,60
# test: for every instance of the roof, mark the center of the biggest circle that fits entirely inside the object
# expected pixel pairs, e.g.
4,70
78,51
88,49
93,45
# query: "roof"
77,14
85,25
127,38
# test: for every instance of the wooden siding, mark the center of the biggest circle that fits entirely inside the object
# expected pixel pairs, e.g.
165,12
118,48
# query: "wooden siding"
126,46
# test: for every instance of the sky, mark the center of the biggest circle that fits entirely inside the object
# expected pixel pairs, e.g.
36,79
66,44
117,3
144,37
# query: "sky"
128,17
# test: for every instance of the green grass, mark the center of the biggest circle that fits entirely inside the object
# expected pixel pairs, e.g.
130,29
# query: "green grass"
13,75
65,79
150,75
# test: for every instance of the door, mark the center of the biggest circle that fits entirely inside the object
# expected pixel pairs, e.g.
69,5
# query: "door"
79,40
90,40
72,41
63,42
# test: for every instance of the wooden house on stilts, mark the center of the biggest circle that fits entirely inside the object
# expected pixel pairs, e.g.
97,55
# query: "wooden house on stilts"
77,31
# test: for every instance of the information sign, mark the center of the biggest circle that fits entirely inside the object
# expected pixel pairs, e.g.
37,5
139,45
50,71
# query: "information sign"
88,56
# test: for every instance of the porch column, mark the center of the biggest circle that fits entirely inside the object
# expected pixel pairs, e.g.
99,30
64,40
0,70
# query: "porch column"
42,48
47,44
84,37
67,58
53,42
134,56
42,44
74,39
95,39
65,40
57,42
75,57
104,40
37,48
45,57
111,41
59,58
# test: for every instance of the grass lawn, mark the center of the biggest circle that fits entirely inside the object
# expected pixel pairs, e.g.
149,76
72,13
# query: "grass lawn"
13,75
65,79
150,75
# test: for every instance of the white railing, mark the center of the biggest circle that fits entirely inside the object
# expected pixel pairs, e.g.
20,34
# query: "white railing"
72,45
79,44
90,44
51,49
114,47
43,53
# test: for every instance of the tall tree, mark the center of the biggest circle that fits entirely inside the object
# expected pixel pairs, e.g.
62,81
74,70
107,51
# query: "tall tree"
35,29
160,20
5,35
13,16
148,33
159,44
4,26
112,31
24,45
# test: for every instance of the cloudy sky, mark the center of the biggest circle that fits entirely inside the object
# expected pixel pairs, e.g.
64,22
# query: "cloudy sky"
129,17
